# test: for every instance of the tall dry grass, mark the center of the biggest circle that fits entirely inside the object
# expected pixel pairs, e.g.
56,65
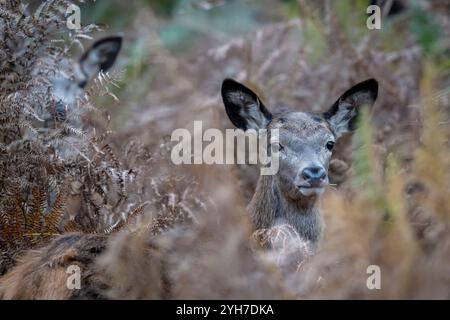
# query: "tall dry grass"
390,207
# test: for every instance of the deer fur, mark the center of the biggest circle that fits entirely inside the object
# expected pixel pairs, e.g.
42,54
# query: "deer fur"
42,274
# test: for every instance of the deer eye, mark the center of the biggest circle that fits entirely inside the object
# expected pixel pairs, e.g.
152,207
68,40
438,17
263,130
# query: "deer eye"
330,145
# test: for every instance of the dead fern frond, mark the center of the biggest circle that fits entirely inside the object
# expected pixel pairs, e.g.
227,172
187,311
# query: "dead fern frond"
26,225
71,226
55,216
139,210
35,217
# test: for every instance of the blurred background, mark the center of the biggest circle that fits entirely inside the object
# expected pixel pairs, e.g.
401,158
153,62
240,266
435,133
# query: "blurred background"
175,43
294,52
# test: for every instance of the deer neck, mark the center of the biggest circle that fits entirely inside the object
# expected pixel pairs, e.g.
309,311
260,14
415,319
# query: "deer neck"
269,206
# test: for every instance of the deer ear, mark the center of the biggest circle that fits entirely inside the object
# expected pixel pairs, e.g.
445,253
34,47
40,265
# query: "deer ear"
343,114
100,57
243,106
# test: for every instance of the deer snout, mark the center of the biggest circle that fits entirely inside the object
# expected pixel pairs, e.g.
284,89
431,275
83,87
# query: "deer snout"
315,176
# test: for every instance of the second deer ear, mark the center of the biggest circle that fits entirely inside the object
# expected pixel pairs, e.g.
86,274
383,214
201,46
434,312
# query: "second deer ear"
100,57
243,106
343,114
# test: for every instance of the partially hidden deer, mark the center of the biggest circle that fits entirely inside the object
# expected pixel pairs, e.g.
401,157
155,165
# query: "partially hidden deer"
37,267
305,145
70,83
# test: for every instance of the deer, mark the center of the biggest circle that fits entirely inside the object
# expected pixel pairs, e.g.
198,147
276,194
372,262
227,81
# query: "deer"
305,145
68,86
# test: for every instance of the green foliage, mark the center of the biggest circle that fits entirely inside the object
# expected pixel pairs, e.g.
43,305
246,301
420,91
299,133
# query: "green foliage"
190,24
315,36
352,17
365,162
426,31
110,13
163,8
291,8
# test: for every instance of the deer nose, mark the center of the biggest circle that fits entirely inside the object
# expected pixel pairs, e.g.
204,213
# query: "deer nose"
314,175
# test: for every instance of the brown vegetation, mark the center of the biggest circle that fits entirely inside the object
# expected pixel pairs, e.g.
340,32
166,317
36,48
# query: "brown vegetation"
187,234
